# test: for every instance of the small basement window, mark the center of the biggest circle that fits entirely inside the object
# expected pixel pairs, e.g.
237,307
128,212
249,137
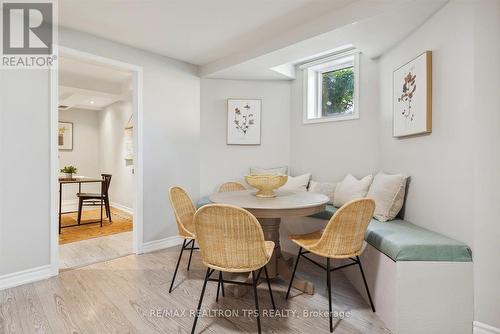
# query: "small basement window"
331,88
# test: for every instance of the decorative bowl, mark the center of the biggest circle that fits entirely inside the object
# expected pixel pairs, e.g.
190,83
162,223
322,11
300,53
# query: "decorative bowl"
266,183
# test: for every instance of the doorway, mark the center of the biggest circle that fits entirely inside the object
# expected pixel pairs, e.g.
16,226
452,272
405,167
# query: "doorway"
97,129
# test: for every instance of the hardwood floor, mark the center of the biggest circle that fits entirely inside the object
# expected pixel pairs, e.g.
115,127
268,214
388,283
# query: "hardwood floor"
130,295
82,253
122,222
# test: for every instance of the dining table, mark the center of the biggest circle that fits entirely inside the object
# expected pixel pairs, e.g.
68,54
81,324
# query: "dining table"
269,212
79,181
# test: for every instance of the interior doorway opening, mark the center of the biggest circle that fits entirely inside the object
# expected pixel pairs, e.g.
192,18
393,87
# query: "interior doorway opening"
98,174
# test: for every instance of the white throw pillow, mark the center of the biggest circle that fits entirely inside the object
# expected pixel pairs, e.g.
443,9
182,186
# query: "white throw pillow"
388,191
325,188
297,183
274,170
351,188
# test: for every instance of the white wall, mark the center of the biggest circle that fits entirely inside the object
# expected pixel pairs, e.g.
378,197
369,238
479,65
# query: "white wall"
330,150
440,164
24,170
171,126
220,162
86,147
112,122
487,163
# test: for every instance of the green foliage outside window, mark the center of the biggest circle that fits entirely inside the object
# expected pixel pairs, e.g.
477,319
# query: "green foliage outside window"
337,92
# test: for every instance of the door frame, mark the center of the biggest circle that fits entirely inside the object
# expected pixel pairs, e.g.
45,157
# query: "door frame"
137,84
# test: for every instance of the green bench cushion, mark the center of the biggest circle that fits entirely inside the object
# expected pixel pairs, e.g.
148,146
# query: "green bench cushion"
203,201
403,241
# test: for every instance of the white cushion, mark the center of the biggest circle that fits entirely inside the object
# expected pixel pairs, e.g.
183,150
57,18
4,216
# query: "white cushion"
351,188
388,191
273,170
325,188
297,183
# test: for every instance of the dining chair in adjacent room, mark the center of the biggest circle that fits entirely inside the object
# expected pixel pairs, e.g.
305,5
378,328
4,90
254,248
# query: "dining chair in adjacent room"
184,210
231,241
343,238
230,186
96,199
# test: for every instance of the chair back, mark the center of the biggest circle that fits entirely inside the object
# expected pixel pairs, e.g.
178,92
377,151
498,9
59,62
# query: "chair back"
230,238
106,183
184,210
231,186
345,233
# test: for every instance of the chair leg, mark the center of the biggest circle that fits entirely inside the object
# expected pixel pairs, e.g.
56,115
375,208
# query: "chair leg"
191,253
219,286
108,209
207,276
80,207
366,285
269,287
293,273
177,266
329,285
256,302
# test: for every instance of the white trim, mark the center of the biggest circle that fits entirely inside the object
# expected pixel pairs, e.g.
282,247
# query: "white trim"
482,328
155,245
26,276
138,163
334,56
122,207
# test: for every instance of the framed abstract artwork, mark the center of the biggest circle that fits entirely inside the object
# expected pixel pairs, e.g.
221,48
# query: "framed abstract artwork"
243,121
65,136
412,97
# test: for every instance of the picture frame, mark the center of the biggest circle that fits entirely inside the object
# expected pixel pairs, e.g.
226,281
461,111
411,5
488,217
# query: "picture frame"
412,97
65,136
243,121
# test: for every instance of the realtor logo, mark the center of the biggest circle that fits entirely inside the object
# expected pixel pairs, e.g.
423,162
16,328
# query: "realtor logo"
27,34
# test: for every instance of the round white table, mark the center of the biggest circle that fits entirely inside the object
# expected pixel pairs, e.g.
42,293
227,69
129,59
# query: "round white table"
269,212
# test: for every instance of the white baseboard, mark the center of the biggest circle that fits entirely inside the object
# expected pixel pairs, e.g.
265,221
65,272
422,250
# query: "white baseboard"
26,276
480,328
155,245
122,207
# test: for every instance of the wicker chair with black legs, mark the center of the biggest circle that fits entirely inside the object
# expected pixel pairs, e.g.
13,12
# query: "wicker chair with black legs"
184,210
230,186
343,238
231,240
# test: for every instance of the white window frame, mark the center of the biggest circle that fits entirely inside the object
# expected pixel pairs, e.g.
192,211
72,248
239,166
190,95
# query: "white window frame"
312,89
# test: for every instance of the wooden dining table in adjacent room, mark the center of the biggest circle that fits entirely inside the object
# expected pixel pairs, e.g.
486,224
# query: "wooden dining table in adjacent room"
79,181
269,212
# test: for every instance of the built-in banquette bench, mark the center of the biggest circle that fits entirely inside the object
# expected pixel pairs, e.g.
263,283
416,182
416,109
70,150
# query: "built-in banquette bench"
420,281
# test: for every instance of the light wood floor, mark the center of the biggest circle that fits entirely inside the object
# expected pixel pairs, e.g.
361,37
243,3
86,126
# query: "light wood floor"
82,253
122,295
122,222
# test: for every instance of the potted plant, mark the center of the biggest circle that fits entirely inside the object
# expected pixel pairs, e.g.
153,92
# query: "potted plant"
69,171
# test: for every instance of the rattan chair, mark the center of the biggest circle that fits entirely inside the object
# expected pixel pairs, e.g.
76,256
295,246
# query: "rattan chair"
231,240
184,210
230,186
343,238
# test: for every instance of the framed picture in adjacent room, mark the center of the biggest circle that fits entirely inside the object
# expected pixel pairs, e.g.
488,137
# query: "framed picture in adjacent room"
412,97
65,136
243,121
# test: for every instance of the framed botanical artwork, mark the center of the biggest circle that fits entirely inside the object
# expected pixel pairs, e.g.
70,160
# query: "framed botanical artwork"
65,136
412,97
243,121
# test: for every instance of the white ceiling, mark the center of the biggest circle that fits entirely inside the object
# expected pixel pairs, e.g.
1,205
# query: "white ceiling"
88,85
195,31
243,39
